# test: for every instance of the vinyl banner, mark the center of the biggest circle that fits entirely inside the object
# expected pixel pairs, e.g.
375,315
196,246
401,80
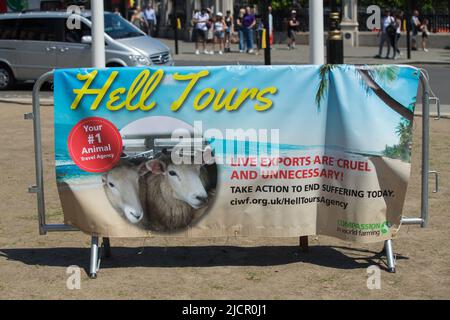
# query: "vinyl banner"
235,150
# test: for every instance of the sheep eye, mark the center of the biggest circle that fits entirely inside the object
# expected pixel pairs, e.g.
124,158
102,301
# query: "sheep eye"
111,184
172,173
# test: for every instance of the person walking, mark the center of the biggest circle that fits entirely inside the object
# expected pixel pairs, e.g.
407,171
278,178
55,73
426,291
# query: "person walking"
200,20
292,28
248,23
150,17
387,22
229,30
425,34
219,32
240,29
397,24
415,27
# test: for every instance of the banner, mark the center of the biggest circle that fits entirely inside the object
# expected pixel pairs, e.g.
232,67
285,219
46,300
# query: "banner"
235,150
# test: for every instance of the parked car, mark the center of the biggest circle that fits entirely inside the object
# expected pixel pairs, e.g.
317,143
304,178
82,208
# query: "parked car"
32,43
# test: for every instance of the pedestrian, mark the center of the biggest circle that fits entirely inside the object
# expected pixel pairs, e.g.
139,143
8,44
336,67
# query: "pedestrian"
398,24
387,25
150,17
137,19
240,29
425,34
259,34
210,31
219,32
415,27
292,28
200,20
248,23
229,30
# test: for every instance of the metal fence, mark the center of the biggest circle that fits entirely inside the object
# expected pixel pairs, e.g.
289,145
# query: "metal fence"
438,23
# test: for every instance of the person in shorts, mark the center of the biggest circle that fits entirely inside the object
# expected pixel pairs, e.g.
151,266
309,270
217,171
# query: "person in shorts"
292,28
219,32
200,20
229,30
425,34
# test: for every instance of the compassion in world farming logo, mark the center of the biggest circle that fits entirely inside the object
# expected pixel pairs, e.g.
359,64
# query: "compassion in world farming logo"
363,229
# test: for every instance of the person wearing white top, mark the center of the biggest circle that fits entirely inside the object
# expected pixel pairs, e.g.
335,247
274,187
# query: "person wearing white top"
200,21
386,21
219,32
415,26
398,24
150,17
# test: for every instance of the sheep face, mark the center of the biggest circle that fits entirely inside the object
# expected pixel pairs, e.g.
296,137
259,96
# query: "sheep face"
122,189
184,181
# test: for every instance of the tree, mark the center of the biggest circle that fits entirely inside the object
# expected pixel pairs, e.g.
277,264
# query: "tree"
402,150
367,79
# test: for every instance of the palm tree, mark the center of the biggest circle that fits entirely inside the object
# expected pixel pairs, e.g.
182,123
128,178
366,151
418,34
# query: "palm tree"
368,77
402,150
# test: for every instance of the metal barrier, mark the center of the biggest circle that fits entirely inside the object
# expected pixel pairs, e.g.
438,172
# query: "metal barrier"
96,250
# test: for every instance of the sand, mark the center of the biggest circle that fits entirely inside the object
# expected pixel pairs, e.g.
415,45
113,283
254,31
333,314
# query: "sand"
34,266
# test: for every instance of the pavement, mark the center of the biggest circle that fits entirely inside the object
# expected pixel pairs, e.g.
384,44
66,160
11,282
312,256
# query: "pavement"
300,55
436,61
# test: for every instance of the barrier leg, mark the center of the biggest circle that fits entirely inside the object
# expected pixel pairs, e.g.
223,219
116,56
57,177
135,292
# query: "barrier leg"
303,243
93,268
389,255
106,248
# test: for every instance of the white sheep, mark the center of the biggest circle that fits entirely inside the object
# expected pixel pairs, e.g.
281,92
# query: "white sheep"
121,186
174,194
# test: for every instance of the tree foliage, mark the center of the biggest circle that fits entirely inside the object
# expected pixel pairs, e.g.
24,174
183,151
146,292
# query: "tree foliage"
402,150
425,6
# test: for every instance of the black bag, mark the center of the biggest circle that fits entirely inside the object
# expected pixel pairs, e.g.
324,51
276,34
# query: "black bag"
391,30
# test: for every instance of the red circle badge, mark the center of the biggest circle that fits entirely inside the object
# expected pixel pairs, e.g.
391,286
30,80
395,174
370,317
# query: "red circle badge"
95,144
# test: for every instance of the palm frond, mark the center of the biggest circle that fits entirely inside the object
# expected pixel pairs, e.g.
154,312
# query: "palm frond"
382,74
323,84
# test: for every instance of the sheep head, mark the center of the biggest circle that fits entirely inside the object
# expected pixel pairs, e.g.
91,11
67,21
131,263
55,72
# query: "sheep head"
121,186
184,180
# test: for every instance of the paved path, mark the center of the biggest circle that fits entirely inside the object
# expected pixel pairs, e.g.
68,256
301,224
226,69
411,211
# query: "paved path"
281,55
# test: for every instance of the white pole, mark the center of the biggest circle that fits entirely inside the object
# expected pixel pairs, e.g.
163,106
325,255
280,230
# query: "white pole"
316,46
98,34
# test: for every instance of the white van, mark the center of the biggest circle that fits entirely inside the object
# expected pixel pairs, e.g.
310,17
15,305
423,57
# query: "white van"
32,43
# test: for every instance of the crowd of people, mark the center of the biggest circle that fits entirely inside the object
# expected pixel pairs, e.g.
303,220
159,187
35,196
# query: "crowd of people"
211,31
215,32
390,31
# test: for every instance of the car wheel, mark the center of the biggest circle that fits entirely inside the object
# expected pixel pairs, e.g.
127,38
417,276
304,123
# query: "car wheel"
6,78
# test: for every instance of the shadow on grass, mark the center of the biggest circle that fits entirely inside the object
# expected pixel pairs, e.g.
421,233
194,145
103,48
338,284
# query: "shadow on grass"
202,256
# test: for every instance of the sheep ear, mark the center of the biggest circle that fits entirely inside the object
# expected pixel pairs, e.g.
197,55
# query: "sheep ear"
156,166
